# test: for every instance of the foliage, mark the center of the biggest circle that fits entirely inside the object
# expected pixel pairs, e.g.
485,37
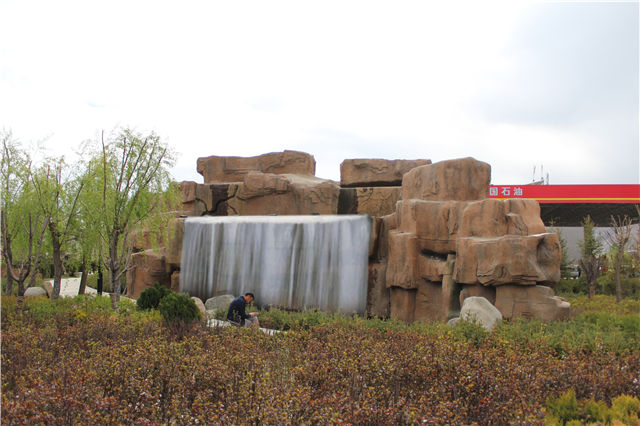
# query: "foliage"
58,187
178,307
22,228
567,409
606,285
564,260
604,304
630,287
76,361
150,298
131,188
590,263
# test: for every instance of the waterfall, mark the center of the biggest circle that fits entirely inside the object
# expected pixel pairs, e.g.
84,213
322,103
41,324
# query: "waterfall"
298,262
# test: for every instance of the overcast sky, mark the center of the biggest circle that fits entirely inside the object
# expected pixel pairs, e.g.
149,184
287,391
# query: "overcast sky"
513,84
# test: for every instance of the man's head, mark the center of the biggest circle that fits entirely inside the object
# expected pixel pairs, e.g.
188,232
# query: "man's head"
249,297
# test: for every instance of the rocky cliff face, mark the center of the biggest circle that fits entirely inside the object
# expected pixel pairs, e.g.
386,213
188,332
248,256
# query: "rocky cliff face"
436,238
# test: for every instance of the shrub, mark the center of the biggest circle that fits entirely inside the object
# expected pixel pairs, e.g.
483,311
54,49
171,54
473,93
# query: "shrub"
178,307
564,408
151,297
630,286
567,410
626,409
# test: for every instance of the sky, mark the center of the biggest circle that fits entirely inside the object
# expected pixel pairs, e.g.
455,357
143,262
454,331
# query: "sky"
515,84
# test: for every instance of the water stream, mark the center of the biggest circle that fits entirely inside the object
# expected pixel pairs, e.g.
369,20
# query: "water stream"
297,262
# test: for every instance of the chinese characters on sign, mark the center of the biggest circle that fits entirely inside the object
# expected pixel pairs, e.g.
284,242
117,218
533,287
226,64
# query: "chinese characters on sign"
506,192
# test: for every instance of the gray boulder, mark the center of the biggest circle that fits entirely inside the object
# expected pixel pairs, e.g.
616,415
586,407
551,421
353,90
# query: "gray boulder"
35,291
200,306
482,311
453,321
219,302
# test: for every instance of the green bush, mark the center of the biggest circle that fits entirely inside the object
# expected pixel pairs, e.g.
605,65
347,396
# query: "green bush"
630,286
571,287
151,297
178,307
566,409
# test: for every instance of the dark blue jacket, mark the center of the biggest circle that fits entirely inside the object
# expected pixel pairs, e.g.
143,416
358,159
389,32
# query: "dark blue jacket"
236,312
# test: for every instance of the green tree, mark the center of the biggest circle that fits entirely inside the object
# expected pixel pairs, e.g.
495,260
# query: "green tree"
619,237
590,263
22,228
564,260
131,187
58,188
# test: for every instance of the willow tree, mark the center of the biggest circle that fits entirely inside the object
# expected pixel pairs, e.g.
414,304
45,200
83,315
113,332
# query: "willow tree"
58,187
22,227
129,188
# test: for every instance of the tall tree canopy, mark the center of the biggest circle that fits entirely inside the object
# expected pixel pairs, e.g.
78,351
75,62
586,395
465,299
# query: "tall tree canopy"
22,225
130,186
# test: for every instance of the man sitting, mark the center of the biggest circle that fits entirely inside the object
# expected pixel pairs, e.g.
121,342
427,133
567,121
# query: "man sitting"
237,315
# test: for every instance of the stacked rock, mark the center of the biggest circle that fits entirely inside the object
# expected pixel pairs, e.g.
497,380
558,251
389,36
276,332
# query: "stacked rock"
282,183
447,241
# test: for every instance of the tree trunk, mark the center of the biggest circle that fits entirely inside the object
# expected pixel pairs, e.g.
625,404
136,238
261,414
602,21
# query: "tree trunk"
83,277
8,288
57,260
115,269
592,289
100,279
618,283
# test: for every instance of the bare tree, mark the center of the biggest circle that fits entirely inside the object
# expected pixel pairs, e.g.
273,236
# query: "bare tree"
619,236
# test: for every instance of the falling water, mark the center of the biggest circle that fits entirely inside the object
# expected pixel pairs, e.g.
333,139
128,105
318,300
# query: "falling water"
299,262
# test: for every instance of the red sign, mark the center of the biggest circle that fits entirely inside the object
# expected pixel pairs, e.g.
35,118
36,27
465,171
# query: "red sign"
569,193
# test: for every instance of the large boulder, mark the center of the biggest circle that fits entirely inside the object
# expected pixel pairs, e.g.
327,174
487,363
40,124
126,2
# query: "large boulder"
459,180
373,201
488,293
494,218
482,311
217,302
148,268
435,223
376,172
531,302
199,199
200,306
524,260
523,217
287,194
402,264
485,218
217,169
35,292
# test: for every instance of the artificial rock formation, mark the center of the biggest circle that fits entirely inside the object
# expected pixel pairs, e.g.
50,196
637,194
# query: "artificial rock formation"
449,242
375,172
147,268
436,239
531,302
216,169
